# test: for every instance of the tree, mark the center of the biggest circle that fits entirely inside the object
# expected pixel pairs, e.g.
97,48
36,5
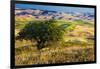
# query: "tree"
43,32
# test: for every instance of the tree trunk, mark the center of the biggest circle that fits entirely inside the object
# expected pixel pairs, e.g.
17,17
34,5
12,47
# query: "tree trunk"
39,45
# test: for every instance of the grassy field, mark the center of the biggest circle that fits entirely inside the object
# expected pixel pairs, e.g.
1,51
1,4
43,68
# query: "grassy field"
70,52
78,47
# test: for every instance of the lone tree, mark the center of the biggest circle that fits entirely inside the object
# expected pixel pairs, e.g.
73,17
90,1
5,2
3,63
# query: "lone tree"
44,32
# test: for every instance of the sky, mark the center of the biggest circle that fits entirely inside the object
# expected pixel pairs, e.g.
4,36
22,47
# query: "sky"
55,8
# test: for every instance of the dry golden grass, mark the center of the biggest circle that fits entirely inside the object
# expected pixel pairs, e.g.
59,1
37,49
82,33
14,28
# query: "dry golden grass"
55,54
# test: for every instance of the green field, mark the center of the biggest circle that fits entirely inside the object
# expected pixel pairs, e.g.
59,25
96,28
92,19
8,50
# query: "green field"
78,46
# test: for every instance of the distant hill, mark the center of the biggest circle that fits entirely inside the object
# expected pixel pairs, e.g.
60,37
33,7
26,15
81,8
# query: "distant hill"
45,14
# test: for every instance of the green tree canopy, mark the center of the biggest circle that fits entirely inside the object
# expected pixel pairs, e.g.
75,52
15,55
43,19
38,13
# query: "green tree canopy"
43,32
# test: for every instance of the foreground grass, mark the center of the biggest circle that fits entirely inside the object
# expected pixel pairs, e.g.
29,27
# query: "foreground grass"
62,54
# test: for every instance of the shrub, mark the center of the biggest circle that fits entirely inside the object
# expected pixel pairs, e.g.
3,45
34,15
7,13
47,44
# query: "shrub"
44,32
